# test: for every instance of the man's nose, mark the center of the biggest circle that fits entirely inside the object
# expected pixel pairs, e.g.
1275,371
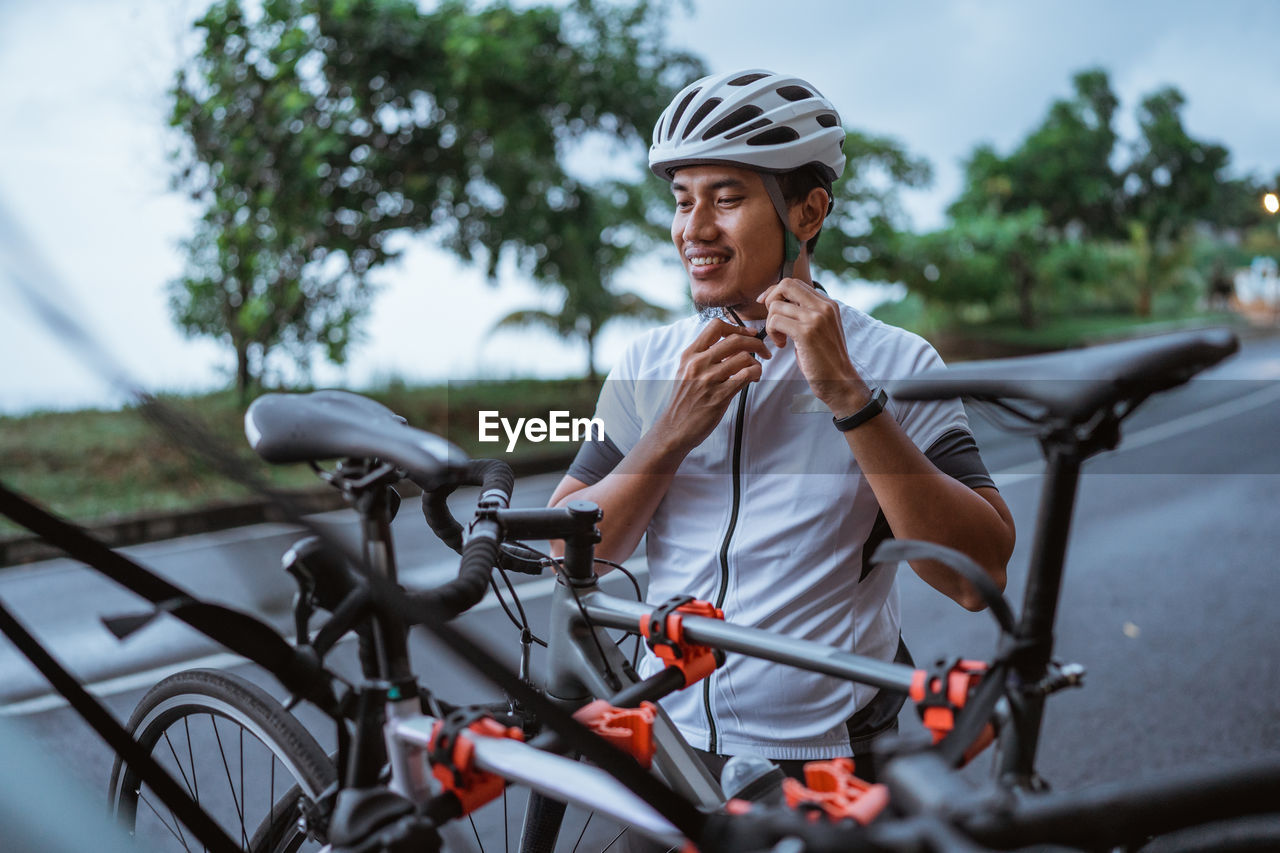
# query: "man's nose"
700,226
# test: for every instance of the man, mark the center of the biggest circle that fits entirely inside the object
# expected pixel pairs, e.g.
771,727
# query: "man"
720,443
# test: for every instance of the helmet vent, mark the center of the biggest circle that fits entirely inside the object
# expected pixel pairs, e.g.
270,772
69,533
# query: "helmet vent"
746,78
794,93
774,136
684,105
827,120
732,120
755,125
703,112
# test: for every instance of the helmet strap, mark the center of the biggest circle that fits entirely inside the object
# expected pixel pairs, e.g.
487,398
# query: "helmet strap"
790,242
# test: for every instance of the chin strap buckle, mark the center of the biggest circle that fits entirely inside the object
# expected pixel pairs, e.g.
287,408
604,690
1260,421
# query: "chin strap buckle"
664,631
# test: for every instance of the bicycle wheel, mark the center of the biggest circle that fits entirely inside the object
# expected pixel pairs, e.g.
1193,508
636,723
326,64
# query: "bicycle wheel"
241,756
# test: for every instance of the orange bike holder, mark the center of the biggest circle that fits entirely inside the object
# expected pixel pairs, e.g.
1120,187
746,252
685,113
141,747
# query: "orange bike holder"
452,754
832,786
939,695
664,631
629,729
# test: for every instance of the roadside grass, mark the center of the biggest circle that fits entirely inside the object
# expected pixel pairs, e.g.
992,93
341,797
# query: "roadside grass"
960,339
95,466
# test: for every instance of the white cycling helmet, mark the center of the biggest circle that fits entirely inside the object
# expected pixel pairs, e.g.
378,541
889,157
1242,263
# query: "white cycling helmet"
757,120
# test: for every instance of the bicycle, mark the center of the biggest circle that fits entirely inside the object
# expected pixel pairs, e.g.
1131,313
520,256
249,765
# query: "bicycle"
935,806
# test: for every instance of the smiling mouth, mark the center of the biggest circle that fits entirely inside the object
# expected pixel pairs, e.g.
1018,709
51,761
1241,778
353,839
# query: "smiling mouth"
706,261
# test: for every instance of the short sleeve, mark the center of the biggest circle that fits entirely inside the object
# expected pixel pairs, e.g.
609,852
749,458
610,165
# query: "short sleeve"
925,421
616,407
596,458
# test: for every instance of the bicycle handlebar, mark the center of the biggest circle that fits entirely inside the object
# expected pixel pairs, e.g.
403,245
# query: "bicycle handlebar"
480,551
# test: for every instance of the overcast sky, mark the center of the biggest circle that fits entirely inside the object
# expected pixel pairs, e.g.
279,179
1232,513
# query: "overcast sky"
83,166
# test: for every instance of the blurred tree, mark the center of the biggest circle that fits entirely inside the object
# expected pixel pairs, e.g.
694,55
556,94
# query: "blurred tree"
1072,170
1173,180
605,232
863,235
982,261
1064,167
315,130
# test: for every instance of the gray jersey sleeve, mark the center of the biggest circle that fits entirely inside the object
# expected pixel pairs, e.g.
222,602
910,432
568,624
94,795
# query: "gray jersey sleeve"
595,459
955,453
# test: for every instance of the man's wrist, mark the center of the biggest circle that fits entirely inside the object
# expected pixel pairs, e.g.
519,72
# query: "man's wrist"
873,408
853,400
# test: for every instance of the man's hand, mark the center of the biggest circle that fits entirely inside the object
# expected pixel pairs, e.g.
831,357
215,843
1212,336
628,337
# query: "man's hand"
716,366
812,321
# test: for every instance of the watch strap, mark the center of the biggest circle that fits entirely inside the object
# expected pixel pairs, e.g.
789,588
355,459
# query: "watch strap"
874,407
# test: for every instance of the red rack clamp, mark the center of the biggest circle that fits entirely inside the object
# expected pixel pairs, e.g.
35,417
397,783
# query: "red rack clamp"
452,756
941,692
629,729
664,631
831,786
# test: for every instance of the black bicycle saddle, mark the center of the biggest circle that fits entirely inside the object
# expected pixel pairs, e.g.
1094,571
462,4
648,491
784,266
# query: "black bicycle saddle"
285,428
1070,387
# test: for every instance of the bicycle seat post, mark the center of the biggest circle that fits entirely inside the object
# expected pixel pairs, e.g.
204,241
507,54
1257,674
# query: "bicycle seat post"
1064,453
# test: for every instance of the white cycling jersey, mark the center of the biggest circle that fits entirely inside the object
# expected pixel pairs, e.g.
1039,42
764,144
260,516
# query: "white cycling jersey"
768,519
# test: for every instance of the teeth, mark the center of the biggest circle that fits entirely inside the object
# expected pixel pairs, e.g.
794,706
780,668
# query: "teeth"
705,262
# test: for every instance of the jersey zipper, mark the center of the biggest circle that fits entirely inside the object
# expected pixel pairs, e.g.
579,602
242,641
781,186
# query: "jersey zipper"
739,424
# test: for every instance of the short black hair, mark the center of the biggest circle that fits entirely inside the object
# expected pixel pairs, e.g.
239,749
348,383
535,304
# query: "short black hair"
796,186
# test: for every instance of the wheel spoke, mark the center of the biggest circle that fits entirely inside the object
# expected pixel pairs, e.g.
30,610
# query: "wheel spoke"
178,763
271,804
195,781
235,802
246,843
585,824
476,832
175,829
614,841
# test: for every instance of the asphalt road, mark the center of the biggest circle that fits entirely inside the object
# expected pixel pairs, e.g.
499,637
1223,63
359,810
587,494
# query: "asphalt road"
1169,598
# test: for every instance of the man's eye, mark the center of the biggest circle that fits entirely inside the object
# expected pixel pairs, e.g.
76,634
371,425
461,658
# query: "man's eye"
683,204
730,200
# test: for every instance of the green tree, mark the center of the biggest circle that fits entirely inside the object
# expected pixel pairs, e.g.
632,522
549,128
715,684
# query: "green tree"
1173,180
606,221
316,130
1063,167
862,237
1137,202
981,262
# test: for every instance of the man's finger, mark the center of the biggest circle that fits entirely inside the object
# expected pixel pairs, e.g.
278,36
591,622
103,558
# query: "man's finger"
716,330
791,290
730,366
780,327
745,376
727,346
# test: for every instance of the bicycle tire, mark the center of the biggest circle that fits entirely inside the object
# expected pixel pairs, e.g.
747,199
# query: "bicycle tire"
198,711
543,817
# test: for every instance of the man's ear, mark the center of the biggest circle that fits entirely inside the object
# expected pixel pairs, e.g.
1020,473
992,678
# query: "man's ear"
808,215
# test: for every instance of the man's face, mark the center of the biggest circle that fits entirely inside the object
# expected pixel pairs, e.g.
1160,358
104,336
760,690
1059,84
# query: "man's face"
728,235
